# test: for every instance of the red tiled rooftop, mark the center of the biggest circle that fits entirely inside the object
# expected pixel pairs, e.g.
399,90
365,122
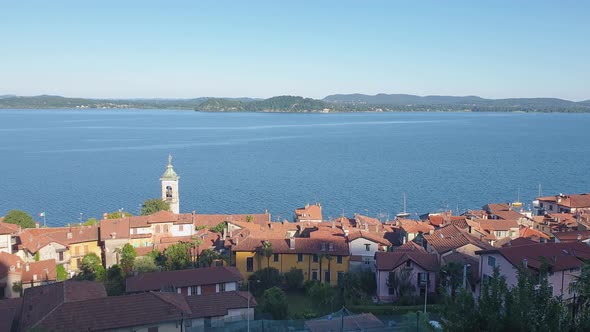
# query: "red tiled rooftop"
390,260
7,228
570,201
559,256
302,245
369,236
182,278
451,237
309,212
503,211
491,225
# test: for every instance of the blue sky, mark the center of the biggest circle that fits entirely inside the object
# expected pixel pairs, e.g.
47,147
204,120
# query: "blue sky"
493,49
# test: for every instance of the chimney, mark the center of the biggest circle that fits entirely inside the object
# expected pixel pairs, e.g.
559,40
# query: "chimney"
69,235
193,217
346,232
525,262
376,228
292,243
366,227
18,264
270,225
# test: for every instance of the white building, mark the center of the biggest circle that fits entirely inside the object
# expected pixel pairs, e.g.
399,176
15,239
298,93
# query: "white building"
170,191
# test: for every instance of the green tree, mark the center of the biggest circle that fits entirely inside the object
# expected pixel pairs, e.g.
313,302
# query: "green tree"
207,257
218,228
91,268
17,287
115,281
62,274
159,258
37,256
118,214
195,245
294,279
128,255
249,218
323,296
459,313
451,277
358,287
267,251
265,279
20,218
91,222
178,256
152,206
274,302
145,264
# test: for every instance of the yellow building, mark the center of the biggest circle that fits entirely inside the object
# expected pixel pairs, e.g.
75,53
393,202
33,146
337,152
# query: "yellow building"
325,259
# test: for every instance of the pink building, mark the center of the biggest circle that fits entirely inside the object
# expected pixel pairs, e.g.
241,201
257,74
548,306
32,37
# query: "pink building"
564,261
418,268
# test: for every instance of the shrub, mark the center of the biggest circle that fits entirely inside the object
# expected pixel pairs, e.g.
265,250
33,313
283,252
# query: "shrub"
294,279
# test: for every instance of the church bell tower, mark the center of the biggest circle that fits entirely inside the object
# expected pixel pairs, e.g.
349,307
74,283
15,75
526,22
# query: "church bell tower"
169,182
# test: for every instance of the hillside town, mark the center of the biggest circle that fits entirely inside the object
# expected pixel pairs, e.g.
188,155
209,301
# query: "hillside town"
44,270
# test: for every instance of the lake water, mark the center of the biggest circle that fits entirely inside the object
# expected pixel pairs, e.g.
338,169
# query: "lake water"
67,162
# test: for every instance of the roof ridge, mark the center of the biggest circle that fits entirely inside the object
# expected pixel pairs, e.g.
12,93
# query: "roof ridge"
159,296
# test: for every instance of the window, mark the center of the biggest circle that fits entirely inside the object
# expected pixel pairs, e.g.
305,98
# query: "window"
222,287
300,257
77,251
85,249
541,205
168,192
315,258
327,276
339,259
157,229
180,228
195,290
314,275
250,264
550,207
367,246
408,263
391,290
276,257
491,261
165,228
132,231
61,255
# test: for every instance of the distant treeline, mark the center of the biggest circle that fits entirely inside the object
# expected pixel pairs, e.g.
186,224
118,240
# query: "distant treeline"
333,103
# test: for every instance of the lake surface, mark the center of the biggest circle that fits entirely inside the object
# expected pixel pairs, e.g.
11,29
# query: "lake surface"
67,162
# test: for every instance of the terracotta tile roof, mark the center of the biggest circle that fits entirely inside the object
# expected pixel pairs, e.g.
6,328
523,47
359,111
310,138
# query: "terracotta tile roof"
480,214
527,232
390,260
10,310
6,228
559,256
218,304
182,278
409,246
573,236
302,245
114,229
369,236
451,237
503,211
10,262
39,302
413,226
142,251
34,239
309,212
360,322
491,225
40,271
570,201
519,241
130,310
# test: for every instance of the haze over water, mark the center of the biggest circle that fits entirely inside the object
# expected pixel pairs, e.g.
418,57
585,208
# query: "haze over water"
65,162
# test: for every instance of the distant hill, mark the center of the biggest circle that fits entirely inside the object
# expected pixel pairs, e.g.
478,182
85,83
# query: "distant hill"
472,103
274,104
332,103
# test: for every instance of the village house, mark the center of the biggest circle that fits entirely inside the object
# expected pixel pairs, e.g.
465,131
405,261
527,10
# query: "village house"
324,256
572,236
363,246
15,271
562,260
416,267
84,306
499,229
451,239
507,211
312,213
412,230
562,203
7,236
534,235
556,222
65,245
191,282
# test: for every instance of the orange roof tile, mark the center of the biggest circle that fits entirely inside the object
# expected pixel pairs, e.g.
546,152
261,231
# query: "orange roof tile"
309,212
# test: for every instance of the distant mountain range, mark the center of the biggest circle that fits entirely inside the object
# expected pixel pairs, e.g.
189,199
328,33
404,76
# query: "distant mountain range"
332,103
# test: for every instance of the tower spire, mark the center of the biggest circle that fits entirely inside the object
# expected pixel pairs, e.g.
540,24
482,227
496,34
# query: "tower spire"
169,181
